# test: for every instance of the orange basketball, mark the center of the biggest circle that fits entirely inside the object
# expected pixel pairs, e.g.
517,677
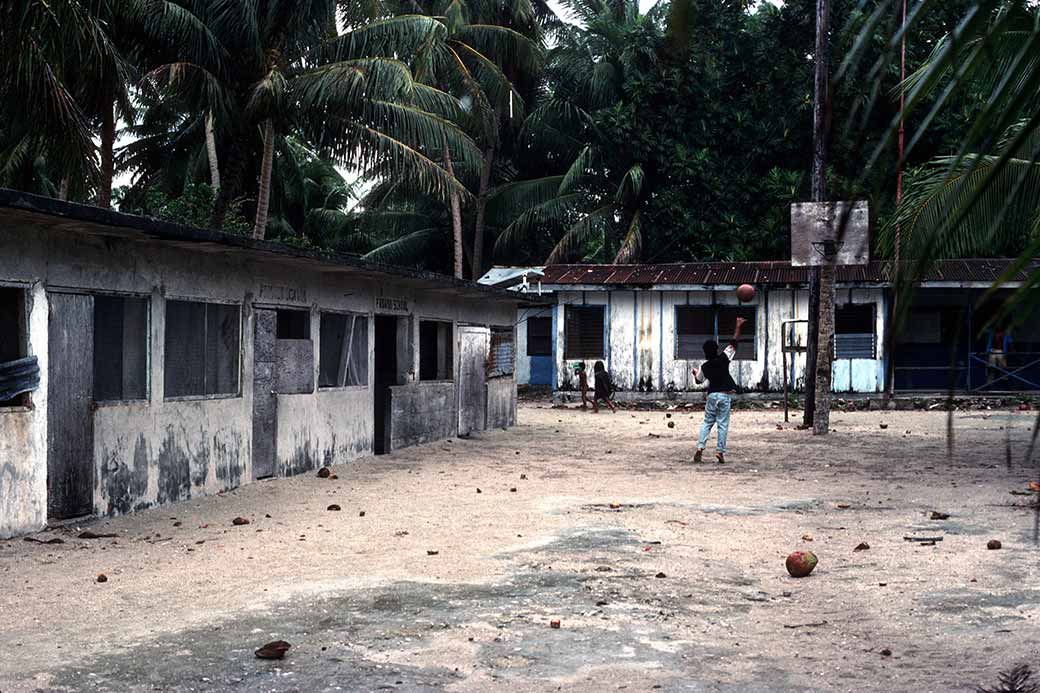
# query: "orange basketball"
745,293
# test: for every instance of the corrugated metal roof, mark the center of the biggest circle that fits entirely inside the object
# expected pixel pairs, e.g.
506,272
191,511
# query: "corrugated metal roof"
772,272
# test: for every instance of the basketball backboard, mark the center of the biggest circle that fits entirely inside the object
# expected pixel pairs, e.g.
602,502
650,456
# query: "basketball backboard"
818,228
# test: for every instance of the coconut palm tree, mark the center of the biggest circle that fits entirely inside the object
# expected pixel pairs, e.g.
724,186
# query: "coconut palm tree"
484,49
53,54
262,71
594,207
982,199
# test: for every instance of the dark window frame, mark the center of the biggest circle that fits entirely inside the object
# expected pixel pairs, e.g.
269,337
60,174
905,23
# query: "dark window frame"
573,349
231,394
23,401
721,336
448,358
842,348
147,349
290,323
548,337
368,355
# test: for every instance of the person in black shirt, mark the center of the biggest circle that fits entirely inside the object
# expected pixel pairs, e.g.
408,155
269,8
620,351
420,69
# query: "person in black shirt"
720,389
604,388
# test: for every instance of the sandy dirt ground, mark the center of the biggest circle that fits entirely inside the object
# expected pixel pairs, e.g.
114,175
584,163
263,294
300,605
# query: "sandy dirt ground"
663,575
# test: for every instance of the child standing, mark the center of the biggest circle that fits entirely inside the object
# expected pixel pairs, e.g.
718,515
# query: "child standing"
583,383
604,388
720,390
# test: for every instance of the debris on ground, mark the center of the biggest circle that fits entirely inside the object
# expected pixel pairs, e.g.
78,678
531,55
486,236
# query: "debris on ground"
479,491
555,623
801,563
334,508
238,521
862,546
923,539
807,537
273,650
513,489
324,473
886,652
102,577
993,544
817,624
660,575
523,476
92,535
361,514
52,540
939,516
431,552
671,424
883,426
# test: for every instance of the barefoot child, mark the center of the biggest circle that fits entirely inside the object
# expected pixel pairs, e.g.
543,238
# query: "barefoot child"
720,389
604,388
583,383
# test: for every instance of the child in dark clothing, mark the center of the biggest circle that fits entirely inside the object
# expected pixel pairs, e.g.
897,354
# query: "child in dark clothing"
604,388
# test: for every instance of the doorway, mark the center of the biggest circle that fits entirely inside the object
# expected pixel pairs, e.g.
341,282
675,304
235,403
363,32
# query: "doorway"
385,367
474,343
70,398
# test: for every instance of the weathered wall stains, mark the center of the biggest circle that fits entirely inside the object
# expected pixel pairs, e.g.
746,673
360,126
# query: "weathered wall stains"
170,451
229,466
125,486
501,403
158,450
421,413
23,485
175,470
330,427
23,438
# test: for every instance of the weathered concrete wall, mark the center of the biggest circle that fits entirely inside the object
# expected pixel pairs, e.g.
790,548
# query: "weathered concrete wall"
23,438
421,413
501,403
640,349
160,450
332,427
147,455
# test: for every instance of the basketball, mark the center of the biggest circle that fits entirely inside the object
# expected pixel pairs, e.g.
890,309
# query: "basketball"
745,293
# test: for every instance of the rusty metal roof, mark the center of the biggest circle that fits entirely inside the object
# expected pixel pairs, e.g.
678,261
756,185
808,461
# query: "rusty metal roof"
772,272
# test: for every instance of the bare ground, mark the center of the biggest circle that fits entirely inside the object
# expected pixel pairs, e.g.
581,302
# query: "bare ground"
682,587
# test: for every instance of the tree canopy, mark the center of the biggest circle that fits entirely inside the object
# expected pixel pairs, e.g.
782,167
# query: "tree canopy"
461,133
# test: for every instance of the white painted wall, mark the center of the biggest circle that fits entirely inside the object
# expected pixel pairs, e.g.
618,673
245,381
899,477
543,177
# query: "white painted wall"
641,341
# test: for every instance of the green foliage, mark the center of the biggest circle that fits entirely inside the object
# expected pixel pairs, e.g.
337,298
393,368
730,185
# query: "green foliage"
193,207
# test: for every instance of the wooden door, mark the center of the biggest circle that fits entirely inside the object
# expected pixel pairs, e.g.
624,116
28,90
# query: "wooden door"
265,403
70,404
474,343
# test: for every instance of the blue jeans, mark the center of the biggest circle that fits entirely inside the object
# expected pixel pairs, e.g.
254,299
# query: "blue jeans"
716,412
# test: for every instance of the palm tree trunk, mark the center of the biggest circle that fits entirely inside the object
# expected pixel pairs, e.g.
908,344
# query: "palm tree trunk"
825,353
63,189
108,142
478,225
211,153
821,88
263,198
456,215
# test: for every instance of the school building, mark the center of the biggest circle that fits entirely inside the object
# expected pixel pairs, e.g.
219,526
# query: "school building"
143,362
648,323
